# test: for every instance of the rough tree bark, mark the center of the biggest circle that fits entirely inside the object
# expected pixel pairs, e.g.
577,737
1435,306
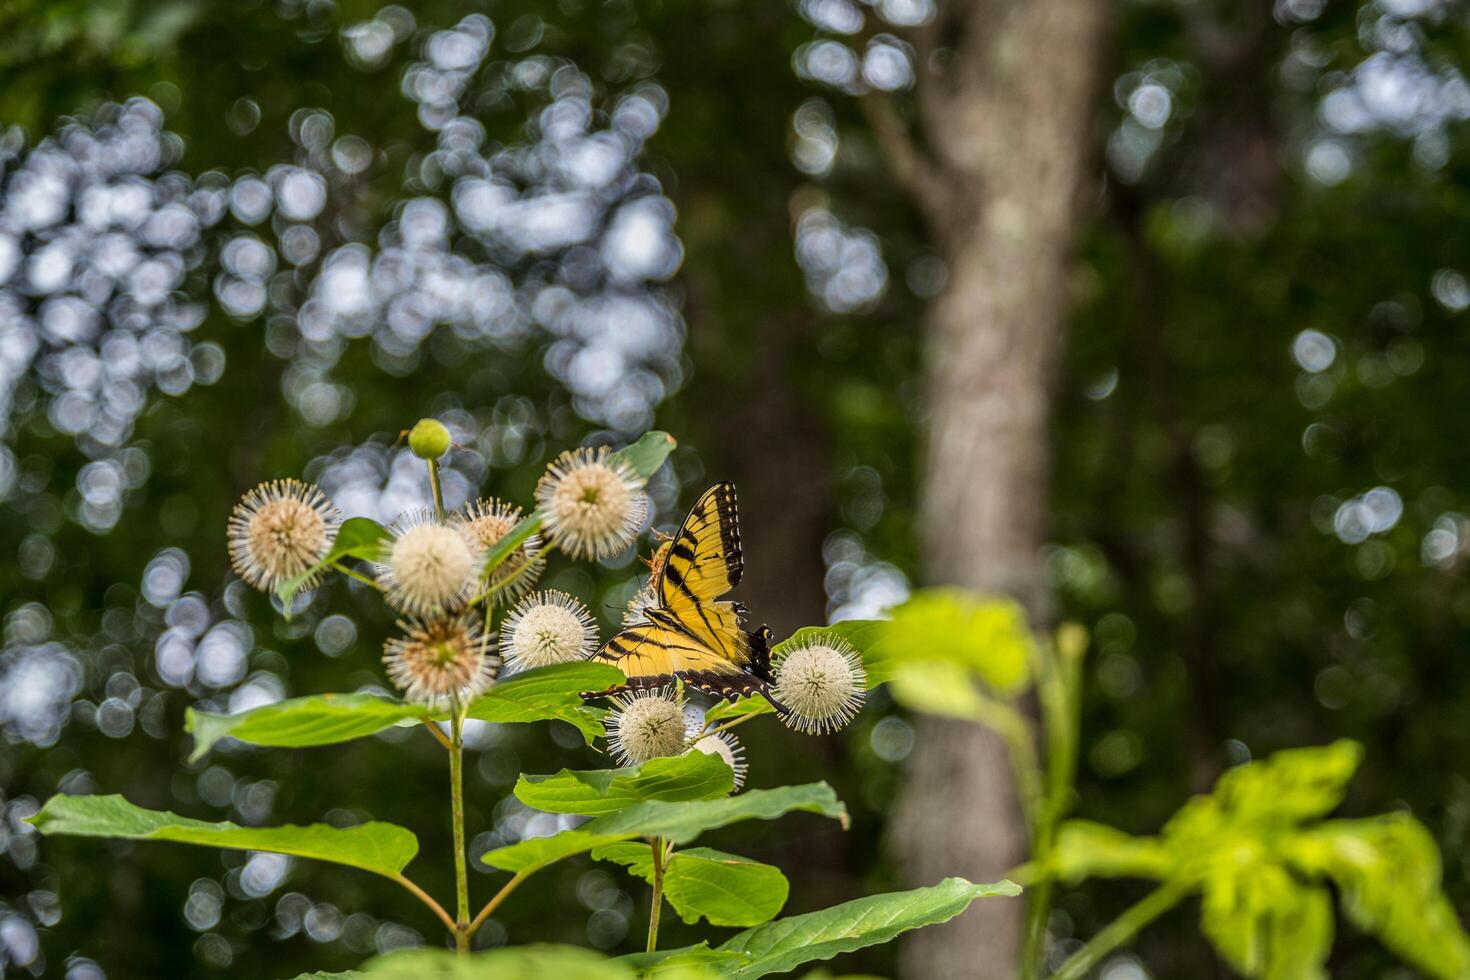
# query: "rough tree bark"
1005,97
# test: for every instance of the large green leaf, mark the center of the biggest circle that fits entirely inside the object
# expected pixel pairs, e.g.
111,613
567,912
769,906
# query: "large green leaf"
1290,786
786,944
382,848
358,537
326,719
679,822
1388,872
513,963
987,636
726,889
552,692
1266,922
594,792
321,719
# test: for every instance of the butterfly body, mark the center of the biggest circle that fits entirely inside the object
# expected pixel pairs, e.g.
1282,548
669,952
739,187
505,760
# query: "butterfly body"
687,632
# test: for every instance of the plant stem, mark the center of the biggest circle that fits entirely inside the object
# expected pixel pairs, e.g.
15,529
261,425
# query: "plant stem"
438,491
494,903
427,899
657,847
1059,690
456,787
354,573
438,734
707,730
1120,930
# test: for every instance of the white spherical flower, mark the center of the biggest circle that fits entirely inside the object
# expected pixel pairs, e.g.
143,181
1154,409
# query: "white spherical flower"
646,725
592,506
727,746
279,530
426,568
484,523
441,662
548,627
638,607
821,683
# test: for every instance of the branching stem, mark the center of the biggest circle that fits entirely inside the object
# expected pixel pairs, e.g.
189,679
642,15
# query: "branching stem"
494,903
456,788
1120,930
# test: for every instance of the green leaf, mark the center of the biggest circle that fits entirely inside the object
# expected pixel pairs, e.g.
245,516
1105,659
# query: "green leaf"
938,687
726,889
321,719
1387,870
381,848
785,944
691,776
550,693
648,453
1290,786
1267,923
535,962
358,537
326,719
1092,850
988,636
679,822
662,962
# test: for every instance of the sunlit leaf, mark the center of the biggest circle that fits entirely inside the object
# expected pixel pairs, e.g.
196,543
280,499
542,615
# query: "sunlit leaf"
1387,870
382,848
1291,785
321,719
1266,922
691,776
679,822
988,636
725,889
536,962
548,693
786,944
358,537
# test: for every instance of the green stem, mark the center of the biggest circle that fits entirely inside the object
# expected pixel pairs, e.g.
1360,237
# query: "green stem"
438,490
428,900
657,847
707,730
494,902
1121,930
500,587
456,787
354,573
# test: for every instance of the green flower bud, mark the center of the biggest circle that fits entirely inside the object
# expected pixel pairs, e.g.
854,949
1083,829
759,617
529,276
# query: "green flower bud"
428,439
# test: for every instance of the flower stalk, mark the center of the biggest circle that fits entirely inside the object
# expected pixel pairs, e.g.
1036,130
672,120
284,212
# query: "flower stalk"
462,930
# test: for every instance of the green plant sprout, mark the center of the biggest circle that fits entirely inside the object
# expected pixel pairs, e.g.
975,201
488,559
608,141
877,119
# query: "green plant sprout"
1254,849
475,642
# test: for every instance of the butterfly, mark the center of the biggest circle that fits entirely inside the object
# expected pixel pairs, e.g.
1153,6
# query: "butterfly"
685,631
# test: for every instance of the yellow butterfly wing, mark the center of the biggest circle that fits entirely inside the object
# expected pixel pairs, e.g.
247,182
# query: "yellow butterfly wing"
703,563
689,633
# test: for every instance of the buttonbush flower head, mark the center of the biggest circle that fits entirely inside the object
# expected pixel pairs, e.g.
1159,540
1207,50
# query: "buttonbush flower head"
727,746
821,682
548,627
279,530
440,662
593,506
646,725
484,523
426,569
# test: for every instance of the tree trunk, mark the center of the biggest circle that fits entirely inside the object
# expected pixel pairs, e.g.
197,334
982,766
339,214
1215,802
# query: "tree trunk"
1007,108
